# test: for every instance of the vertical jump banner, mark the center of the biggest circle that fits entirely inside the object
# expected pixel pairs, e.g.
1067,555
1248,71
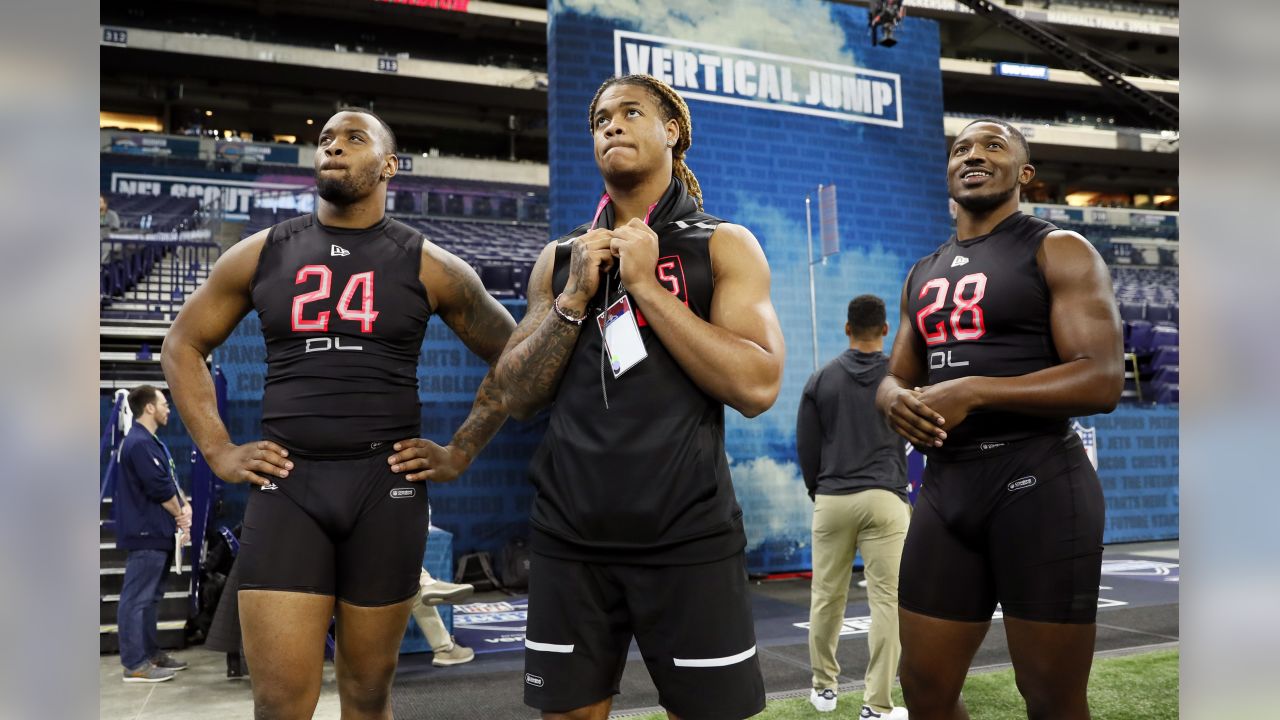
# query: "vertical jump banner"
786,95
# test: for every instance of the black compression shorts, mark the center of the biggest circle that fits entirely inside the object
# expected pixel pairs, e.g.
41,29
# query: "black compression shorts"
348,528
692,623
1022,527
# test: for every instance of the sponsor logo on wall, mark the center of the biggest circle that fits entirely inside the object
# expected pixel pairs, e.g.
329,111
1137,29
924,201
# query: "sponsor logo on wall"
236,197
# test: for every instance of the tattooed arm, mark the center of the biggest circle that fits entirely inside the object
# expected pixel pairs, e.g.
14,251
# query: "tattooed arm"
530,369
483,325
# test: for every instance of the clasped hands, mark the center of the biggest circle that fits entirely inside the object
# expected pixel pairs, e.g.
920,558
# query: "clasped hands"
634,244
923,414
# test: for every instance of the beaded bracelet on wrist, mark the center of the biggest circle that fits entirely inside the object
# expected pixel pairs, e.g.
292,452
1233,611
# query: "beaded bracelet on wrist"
555,305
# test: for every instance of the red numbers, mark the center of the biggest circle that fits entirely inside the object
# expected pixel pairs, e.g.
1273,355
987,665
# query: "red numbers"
321,323
939,334
365,314
976,327
668,278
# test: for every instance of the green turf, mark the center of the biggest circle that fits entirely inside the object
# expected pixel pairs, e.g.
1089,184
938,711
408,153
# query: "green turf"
1134,687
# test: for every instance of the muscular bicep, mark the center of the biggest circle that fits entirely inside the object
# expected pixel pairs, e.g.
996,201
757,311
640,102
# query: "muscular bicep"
212,312
1083,316
741,302
906,361
475,316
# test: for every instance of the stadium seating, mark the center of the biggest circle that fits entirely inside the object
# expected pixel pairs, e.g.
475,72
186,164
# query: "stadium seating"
1148,298
150,279
1166,355
152,213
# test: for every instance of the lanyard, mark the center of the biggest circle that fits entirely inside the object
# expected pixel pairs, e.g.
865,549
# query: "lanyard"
595,220
604,202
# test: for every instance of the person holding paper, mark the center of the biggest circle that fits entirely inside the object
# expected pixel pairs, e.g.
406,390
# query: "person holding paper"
642,325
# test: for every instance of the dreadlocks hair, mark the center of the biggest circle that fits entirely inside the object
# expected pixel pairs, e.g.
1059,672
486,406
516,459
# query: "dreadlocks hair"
1014,133
673,108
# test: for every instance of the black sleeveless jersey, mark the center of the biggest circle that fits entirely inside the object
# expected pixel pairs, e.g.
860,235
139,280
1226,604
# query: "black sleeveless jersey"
645,481
343,314
981,307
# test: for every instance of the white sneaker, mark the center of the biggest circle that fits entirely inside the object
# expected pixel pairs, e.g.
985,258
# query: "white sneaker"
824,700
439,592
898,713
455,654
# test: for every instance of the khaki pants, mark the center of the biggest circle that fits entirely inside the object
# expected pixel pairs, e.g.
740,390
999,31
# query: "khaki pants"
428,619
875,522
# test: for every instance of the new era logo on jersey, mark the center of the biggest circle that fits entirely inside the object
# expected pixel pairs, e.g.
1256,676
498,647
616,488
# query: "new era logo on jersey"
533,680
338,251
957,262
398,493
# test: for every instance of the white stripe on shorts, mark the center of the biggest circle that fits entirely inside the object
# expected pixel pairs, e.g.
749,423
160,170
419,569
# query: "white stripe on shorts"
716,662
548,647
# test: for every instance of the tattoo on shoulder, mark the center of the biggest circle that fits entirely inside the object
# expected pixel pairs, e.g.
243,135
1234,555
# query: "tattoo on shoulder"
470,312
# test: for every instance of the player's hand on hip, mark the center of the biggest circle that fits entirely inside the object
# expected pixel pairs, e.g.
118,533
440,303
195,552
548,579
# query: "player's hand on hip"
422,460
636,246
952,400
257,462
914,419
591,256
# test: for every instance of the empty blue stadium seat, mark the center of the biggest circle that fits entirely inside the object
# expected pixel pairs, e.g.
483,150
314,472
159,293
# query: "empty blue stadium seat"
1165,355
1132,310
1140,334
496,277
1164,334
1166,375
1167,394
1159,312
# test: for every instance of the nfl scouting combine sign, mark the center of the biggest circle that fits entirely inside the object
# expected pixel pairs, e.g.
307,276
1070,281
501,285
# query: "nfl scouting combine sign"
786,95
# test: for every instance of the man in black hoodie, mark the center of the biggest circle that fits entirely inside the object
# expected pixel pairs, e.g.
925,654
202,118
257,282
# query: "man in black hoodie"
856,471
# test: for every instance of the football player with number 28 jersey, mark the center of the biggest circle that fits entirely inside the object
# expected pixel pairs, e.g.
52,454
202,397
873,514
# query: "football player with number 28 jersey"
1007,331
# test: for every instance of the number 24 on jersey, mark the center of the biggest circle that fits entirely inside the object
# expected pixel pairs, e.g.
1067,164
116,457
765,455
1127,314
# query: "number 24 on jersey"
359,282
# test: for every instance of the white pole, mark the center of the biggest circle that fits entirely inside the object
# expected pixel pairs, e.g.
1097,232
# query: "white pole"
813,298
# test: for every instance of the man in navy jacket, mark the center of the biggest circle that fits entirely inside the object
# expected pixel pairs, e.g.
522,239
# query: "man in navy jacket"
149,509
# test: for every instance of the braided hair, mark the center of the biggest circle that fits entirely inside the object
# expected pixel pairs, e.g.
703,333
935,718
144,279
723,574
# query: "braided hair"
673,108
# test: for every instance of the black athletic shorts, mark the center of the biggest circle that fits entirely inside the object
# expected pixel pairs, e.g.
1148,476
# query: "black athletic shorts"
692,623
1022,527
348,528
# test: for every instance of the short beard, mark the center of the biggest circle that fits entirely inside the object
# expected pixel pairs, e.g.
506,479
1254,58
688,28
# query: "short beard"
981,204
343,191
